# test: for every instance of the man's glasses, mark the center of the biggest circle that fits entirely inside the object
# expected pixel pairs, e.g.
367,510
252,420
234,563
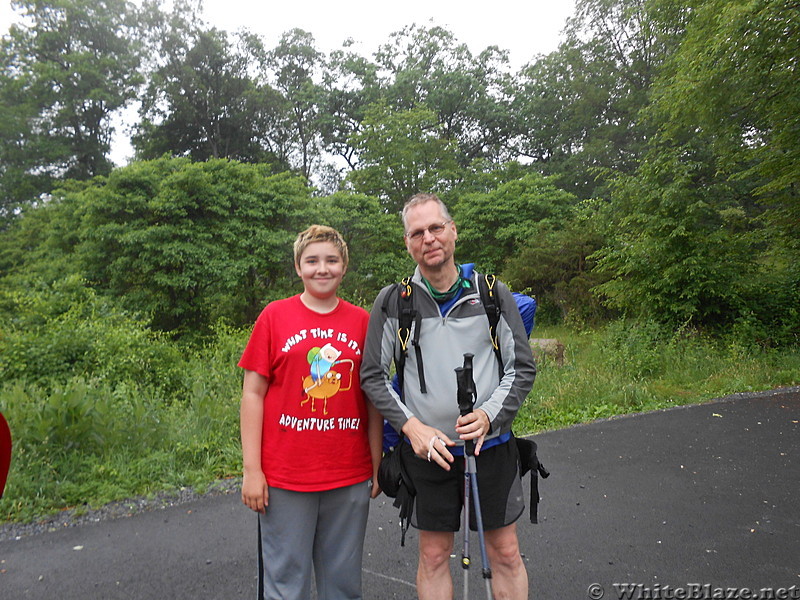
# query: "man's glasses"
436,229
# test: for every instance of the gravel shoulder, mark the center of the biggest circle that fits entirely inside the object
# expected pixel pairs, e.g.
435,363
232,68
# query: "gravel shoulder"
116,510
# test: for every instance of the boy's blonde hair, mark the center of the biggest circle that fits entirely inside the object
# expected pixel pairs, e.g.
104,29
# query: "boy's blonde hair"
320,233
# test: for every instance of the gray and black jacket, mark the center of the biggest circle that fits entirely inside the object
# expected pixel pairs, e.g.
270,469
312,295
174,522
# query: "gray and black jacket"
444,341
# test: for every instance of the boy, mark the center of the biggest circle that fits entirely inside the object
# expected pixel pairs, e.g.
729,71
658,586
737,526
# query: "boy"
311,444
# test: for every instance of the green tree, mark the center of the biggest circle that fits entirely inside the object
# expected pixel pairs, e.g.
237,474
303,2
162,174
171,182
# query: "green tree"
203,102
690,242
293,65
494,226
731,81
189,243
350,85
470,95
679,253
41,242
66,69
401,153
54,331
556,265
578,109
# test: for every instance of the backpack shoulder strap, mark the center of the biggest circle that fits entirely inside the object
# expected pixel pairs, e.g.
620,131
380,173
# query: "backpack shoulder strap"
491,304
407,316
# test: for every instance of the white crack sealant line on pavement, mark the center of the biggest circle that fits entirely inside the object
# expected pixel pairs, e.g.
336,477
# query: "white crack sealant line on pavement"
389,578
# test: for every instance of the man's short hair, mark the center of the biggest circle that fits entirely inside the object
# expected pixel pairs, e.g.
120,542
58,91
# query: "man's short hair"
424,198
320,233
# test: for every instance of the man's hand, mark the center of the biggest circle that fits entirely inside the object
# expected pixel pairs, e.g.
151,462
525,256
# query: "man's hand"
429,443
473,426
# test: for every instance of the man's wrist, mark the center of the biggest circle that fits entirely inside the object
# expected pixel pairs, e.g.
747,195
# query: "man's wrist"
409,425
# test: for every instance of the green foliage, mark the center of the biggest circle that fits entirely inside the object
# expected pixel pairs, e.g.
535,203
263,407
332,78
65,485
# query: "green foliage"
41,241
678,252
493,226
65,438
557,267
295,62
636,350
88,441
350,85
770,313
203,103
730,80
470,96
401,152
52,332
64,73
706,224
577,109
189,243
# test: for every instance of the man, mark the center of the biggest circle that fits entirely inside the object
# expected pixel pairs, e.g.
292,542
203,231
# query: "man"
452,322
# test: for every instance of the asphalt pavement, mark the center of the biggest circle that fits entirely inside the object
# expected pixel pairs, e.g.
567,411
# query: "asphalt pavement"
689,502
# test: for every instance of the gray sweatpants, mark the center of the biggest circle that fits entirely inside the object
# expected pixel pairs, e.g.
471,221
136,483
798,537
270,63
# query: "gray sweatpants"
326,528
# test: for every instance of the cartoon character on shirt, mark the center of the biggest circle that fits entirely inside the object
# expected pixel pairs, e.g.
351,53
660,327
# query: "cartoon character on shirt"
323,382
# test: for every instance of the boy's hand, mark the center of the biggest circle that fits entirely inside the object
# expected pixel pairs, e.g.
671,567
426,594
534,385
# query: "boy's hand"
255,491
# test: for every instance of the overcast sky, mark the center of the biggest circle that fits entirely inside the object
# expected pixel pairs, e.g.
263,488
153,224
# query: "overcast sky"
526,28
523,27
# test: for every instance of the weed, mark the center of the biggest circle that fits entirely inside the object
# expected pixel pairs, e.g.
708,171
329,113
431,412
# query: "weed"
90,439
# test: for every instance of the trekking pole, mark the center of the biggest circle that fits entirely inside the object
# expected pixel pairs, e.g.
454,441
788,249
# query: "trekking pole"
466,395
465,558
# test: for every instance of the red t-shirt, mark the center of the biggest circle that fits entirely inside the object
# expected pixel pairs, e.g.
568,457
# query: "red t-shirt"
314,435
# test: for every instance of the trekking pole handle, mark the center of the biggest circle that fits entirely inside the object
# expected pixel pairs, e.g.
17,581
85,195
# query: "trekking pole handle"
465,391
465,394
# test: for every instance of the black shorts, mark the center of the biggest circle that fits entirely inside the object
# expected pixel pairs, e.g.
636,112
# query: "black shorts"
440,494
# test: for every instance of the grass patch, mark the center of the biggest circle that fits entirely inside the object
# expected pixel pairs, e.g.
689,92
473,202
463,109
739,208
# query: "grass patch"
88,440
84,443
624,369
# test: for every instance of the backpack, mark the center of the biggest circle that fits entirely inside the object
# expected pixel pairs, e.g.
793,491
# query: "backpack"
408,316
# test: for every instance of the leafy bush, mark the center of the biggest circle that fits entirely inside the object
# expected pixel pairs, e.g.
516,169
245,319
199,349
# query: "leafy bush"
90,441
494,226
556,264
68,441
187,243
52,332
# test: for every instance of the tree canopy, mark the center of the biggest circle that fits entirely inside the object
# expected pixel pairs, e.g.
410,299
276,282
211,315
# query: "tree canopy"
646,167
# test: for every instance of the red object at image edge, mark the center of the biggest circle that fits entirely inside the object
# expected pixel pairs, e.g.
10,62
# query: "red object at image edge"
5,452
